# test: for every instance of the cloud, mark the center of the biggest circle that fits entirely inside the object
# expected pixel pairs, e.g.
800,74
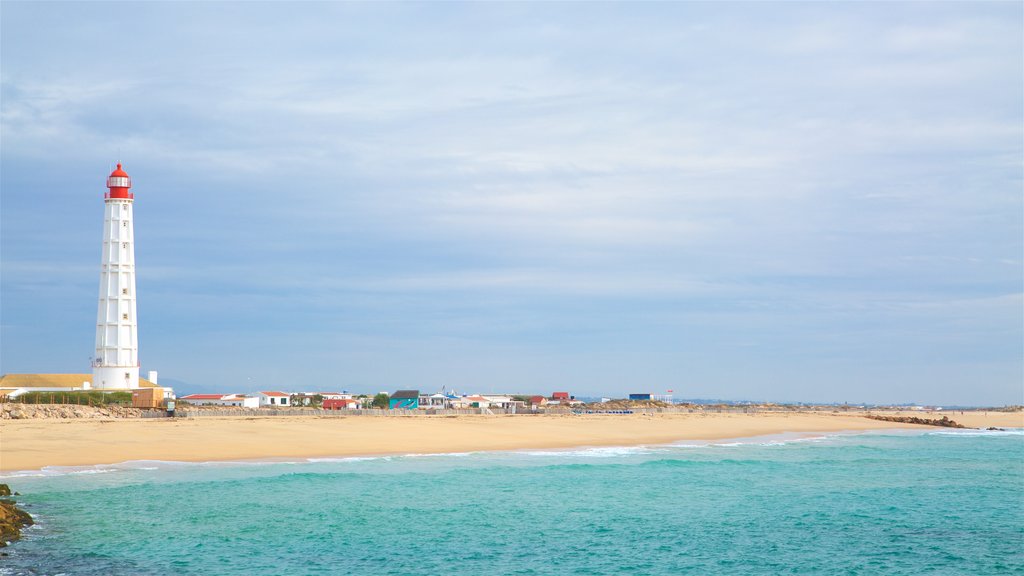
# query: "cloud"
661,186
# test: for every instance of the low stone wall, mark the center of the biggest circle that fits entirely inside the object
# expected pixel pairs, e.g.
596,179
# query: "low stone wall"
16,411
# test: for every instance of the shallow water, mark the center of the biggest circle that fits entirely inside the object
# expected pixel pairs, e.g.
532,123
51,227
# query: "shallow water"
943,502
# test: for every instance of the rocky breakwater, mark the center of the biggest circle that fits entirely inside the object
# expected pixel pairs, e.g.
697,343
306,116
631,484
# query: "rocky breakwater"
12,518
18,411
945,422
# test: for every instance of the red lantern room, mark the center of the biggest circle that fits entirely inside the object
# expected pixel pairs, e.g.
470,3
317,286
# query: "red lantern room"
118,184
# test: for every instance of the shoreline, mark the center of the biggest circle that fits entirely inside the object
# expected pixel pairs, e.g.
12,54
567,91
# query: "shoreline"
31,445
153,464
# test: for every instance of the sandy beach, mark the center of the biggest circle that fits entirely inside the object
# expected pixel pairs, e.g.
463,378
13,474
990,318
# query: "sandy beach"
33,444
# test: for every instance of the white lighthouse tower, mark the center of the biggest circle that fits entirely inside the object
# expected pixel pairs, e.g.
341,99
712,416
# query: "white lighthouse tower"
116,364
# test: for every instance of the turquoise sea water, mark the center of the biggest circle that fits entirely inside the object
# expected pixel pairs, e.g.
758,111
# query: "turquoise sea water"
943,502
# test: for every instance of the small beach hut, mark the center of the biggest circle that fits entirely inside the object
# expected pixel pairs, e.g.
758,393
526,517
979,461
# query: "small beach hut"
405,399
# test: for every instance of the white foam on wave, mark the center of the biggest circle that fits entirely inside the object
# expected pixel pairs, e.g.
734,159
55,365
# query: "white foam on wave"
127,466
51,471
436,454
975,433
593,452
767,440
344,459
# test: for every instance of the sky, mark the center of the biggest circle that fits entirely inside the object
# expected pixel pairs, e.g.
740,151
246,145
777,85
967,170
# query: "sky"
777,201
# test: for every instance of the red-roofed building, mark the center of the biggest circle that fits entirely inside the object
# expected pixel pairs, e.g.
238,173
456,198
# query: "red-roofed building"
202,397
341,404
559,395
222,400
538,400
274,399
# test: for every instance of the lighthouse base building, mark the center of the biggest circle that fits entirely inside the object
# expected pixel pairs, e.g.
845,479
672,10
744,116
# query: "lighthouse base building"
14,385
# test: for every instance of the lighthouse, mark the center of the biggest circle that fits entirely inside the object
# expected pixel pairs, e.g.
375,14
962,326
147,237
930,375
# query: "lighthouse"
116,363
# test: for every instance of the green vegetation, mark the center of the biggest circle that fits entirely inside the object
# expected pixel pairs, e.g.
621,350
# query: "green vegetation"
85,398
314,401
380,401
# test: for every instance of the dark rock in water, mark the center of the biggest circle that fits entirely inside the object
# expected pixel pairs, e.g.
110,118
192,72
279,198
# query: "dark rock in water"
994,428
12,518
945,422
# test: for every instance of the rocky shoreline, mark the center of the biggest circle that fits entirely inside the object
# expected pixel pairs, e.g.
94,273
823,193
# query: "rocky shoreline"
12,518
945,422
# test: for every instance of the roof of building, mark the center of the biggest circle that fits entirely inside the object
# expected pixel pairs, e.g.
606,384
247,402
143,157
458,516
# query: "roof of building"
54,381
204,397
406,394
273,393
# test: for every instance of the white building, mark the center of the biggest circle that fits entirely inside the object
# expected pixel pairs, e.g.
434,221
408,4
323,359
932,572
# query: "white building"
274,399
222,400
334,395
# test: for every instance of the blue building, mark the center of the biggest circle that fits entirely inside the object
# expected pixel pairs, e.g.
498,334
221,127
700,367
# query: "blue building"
646,396
405,399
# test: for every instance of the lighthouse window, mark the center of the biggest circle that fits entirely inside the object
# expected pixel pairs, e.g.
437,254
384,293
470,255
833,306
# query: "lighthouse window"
125,223
124,291
124,244
124,316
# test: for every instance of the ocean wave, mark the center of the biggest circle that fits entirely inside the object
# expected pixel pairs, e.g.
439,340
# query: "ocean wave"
768,440
342,459
435,454
593,452
974,432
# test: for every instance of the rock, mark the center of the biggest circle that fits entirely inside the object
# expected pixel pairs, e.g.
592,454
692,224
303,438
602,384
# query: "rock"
5,490
996,429
12,519
945,422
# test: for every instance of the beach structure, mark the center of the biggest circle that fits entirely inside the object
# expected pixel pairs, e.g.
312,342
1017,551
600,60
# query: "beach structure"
222,400
148,397
438,400
273,399
476,401
404,399
640,396
559,395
